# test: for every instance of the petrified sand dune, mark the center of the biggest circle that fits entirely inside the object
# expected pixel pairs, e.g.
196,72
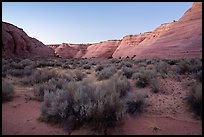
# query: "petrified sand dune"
102,50
175,39
16,42
181,38
70,50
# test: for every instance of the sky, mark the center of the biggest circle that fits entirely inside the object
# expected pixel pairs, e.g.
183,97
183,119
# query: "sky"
89,22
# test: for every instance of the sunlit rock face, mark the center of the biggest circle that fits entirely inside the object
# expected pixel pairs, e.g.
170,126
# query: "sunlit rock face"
65,50
103,49
15,42
182,38
175,39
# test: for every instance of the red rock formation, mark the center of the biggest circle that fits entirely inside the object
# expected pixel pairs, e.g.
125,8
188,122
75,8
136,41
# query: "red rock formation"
71,50
16,42
181,38
53,46
102,50
175,39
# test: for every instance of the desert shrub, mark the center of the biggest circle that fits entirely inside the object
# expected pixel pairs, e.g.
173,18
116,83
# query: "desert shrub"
194,99
144,77
52,85
15,65
86,66
121,84
195,65
115,60
55,106
136,75
127,64
47,63
171,61
154,85
175,72
99,68
19,72
198,75
162,68
106,73
66,66
39,90
142,64
134,103
38,76
6,67
187,66
78,75
127,72
7,91
97,106
26,62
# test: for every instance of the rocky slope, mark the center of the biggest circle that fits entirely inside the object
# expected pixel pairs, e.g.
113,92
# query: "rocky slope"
175,39
102,50
181,38
15,42
71,50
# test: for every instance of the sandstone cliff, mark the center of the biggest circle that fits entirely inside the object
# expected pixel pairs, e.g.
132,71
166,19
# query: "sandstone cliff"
181,38
15,42
175,39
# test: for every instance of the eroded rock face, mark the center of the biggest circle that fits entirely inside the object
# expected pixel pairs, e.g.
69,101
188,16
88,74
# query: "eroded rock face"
175,39
71,50
102,50
15,42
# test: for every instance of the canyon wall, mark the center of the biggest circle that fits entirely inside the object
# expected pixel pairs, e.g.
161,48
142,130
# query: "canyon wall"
15,42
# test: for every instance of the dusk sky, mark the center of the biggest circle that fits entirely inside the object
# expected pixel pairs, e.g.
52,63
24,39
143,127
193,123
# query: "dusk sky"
89,22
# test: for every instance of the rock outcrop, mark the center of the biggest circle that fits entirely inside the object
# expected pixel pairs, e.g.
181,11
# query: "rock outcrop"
175,39
15,42
71,50
102,50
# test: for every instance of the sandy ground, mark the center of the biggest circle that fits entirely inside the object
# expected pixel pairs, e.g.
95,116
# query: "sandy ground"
166,113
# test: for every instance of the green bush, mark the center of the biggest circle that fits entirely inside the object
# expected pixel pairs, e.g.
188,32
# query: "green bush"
7,91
